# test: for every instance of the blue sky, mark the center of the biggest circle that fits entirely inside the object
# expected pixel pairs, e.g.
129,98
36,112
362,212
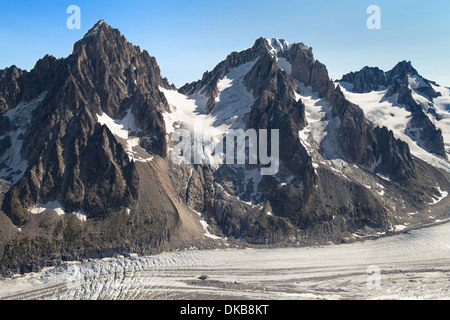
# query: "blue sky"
188,37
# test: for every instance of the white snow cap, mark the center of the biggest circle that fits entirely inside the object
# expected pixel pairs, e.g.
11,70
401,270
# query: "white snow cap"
278,45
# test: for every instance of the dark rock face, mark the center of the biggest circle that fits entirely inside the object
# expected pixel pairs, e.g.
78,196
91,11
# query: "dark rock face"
72,158
396,161
307,70
366,80
9,87
109,184
17,85
430,136
357,138
5,144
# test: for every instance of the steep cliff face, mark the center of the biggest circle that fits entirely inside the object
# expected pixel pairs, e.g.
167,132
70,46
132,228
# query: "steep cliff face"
366,80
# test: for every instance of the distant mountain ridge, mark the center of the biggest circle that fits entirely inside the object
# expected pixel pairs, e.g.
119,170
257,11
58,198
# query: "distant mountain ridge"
410,90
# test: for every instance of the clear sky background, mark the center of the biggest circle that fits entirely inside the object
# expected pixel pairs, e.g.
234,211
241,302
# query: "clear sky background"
188,37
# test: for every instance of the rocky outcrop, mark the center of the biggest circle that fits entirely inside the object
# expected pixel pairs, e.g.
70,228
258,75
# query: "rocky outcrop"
200,191
113,199
10,90
366,80
275,107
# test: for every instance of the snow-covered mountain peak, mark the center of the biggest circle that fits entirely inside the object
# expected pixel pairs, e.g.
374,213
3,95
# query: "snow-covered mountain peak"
278,45
425,127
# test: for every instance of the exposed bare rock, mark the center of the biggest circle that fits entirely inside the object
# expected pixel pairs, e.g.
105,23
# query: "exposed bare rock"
366,80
